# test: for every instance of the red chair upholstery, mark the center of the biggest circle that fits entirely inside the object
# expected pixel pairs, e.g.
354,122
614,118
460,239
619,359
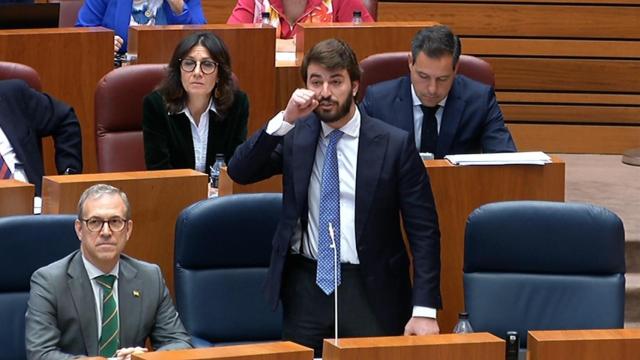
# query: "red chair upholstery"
118,116
68,12
387,66
372,8
11,70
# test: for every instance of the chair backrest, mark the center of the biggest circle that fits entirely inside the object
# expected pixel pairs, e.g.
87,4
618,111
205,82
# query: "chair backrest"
118,116
27,243
222,252
68,12
11,70
534,265
386,66
372,8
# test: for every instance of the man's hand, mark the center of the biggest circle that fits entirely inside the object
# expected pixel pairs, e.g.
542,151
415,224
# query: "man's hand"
125,353
421,326
301,104
177,6
117,43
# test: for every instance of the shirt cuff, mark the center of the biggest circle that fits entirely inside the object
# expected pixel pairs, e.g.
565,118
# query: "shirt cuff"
277,126
423,311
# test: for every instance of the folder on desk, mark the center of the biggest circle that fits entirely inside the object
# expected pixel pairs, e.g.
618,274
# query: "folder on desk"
514,158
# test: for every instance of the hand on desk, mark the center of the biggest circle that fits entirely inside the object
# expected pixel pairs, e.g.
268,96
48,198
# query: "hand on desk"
117,43
301,104
421,326
125,353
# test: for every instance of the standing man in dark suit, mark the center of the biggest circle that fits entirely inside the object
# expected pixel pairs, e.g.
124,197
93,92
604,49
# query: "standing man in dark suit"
446,113
347,179
26,116
98,301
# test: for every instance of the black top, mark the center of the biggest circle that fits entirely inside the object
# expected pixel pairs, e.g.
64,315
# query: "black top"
168,143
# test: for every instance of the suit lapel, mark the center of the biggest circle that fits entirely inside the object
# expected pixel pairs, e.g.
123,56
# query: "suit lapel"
305,140
372,148
403,107
129,303
451,116
82,296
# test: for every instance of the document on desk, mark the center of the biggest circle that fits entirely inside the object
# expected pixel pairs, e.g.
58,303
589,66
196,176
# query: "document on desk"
515,158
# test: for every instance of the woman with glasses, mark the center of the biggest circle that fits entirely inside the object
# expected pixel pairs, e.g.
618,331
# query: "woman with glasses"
118,15
196,112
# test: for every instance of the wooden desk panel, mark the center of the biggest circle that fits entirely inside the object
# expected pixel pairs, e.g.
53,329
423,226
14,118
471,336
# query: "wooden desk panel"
619,344
16,197
262,351
476,346
252,51
458,190
156,197
70,62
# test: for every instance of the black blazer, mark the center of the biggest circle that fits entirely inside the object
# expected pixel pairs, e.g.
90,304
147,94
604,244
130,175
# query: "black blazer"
391,180
26,116
471,123
168,143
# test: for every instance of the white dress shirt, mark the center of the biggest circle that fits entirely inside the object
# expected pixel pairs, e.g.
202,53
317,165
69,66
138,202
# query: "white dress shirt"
11,159
418,116
93,273
200,135
347,151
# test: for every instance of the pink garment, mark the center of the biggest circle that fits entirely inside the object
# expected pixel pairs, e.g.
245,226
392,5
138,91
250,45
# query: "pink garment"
317,11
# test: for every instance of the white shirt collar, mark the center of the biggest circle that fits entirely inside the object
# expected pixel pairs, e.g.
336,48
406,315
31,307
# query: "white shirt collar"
351,128
416,99
211,107
94,272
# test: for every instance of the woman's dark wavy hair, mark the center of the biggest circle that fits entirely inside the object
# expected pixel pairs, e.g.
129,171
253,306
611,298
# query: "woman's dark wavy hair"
171,87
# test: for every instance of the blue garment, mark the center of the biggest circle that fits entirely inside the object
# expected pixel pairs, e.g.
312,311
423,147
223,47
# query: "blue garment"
116,15
471,123
329,224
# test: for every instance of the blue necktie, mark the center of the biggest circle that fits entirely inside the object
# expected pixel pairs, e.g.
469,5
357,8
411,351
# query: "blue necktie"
329,217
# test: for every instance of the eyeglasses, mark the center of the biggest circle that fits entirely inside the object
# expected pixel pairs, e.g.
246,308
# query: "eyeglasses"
207,66
95,224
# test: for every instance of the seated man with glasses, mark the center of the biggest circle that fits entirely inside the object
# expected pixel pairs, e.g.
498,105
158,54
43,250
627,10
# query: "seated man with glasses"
98,301
196,112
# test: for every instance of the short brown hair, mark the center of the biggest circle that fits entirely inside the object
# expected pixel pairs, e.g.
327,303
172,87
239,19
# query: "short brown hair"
97,191
333,54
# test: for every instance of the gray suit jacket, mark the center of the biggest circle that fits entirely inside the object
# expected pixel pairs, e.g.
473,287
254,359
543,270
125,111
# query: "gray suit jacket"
61,312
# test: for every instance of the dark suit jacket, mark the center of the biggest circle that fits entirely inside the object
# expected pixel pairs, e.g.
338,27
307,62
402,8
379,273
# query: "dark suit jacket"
471,123
168,143
26,116
391,179
61,313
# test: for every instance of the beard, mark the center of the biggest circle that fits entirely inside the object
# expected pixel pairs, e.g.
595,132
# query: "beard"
330,116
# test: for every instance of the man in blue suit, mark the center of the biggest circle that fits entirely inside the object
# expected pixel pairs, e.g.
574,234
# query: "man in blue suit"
26,116
446,113
348,179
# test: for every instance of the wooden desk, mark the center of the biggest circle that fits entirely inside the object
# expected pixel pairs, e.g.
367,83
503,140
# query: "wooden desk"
618,344
262,351
156,198
16,197
70,62
458,190
477,346
365,39
252,51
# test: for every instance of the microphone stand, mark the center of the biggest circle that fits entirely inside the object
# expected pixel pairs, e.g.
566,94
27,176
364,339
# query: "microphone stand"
335,280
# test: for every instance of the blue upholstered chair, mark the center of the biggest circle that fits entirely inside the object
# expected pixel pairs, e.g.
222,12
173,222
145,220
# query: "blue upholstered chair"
534,265
26,244
222,252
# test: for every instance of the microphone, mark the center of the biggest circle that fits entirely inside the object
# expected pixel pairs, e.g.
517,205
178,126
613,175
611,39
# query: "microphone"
335,279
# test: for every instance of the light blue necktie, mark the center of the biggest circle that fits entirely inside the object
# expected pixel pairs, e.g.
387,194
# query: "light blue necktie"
329,217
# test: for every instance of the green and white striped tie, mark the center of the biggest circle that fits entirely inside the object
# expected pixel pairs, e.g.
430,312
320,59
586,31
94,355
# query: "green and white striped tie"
109,339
